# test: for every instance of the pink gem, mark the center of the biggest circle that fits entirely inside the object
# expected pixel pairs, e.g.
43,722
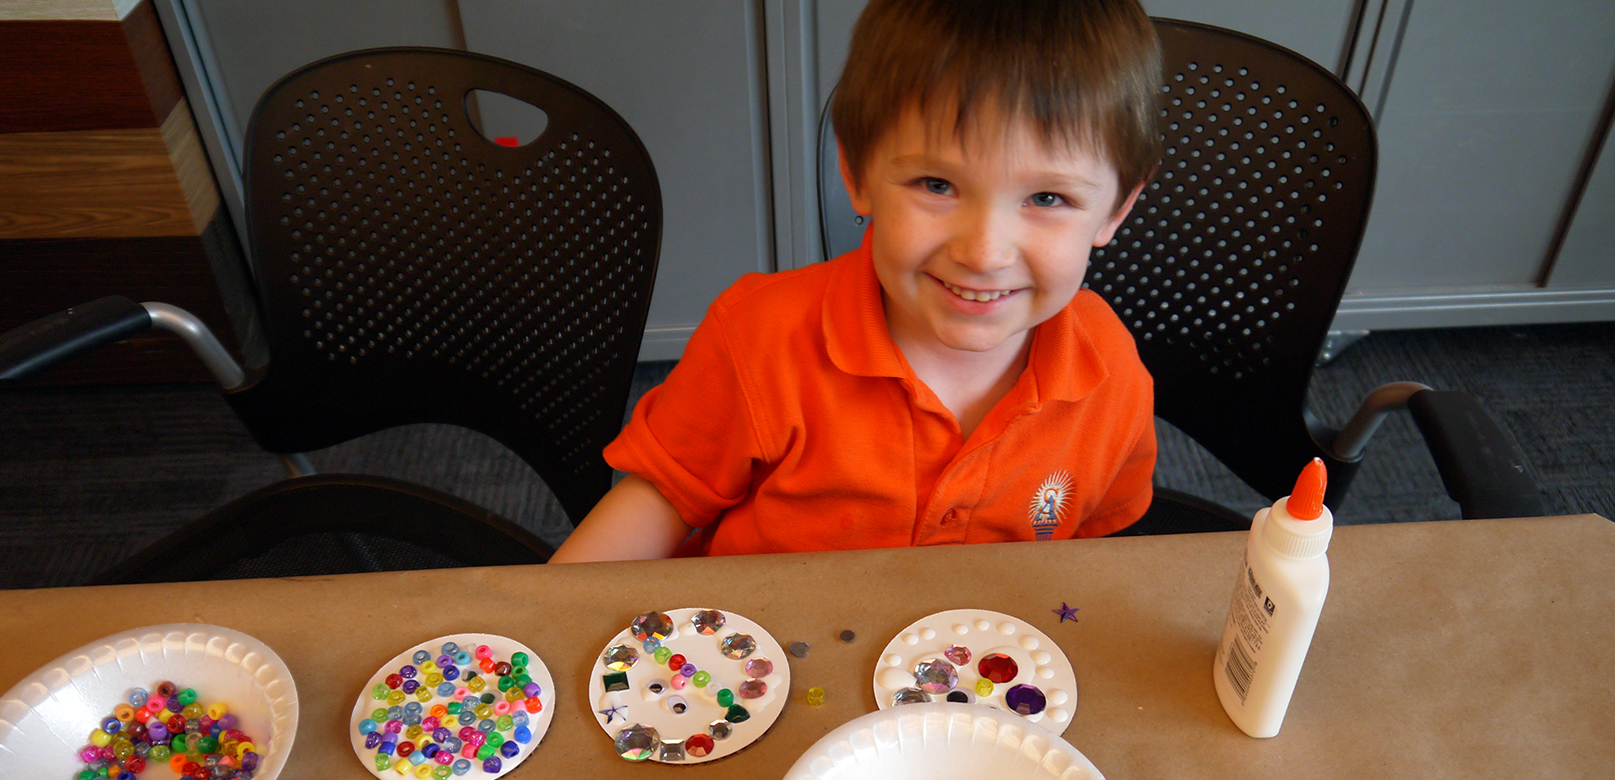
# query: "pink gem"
752,689
958,654
759,667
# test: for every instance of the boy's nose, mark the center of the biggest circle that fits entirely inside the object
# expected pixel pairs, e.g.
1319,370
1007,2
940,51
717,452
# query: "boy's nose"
985,243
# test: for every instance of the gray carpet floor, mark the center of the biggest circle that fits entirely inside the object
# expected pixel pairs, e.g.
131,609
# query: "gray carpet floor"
89,474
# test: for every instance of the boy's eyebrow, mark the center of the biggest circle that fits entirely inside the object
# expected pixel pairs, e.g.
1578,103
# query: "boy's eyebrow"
1052,180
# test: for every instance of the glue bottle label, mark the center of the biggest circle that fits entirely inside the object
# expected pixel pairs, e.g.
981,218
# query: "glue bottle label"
1249,617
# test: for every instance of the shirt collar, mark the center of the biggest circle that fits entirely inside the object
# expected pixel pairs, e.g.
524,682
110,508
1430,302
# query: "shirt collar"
1064,366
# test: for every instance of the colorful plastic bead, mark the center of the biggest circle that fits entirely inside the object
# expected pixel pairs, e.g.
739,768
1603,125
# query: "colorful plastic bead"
815,696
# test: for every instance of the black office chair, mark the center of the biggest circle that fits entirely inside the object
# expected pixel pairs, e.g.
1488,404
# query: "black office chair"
1232,265
409,270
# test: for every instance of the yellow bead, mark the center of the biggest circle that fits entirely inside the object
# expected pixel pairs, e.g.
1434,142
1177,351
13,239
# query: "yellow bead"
395,697
428,666
483,711
423,770
475,685
434,679
815,696
216,710
100,738
414,732
423,694
984,687
244,747
403,767
192,711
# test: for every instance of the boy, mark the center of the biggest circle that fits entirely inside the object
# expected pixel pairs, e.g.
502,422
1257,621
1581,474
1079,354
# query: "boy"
948,381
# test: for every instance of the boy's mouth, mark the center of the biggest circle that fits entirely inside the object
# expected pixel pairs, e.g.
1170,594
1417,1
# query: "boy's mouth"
982,296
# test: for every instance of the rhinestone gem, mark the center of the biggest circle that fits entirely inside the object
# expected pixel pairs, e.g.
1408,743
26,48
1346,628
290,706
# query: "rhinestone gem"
909,696
935,676
637,742
759,667
847,635
672,752
737,646
707,621
1025,699
616,681
752,689
736,714
997,667
720,729
958,654
651,625
799,649
700,745
620,658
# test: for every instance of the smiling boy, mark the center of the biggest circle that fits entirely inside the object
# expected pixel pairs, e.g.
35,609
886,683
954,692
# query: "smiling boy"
948,381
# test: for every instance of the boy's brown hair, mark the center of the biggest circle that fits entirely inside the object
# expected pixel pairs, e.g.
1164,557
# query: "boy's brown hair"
1084,72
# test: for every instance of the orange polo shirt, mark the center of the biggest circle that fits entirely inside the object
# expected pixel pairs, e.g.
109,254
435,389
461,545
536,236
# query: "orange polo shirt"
793,423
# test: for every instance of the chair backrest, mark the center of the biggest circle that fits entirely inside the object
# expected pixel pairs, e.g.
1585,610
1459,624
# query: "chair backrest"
1234,260
409,270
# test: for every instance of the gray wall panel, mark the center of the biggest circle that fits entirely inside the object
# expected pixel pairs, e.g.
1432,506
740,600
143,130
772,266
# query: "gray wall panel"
1587,258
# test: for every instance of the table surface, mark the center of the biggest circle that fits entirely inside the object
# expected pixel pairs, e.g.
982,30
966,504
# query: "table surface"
1480,648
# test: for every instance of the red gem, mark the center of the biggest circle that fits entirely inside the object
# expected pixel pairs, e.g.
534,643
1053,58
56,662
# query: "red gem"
676,662
997,667
698,745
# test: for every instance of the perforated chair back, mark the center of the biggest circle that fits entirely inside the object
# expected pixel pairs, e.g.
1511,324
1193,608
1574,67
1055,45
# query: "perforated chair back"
1234,260
410,271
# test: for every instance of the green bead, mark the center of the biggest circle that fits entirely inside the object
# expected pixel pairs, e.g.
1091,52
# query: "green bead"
379,692
495,739
518,659
383,762
442,773
453,707
488,698
188,696
208,744
158,752
505,683
505,723
662,654
486,751
701,679
726,697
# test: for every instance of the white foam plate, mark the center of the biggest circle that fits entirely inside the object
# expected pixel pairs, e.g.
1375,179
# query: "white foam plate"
938,740
1039,661
644,703
503,648
47,717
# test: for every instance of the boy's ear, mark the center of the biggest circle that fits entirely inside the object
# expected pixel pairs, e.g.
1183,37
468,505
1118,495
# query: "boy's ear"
855,193
1104,236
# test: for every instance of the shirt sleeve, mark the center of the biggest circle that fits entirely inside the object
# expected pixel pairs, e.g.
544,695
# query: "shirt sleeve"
693,436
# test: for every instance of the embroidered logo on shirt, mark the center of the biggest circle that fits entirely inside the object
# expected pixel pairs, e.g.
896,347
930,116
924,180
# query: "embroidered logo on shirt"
1048,505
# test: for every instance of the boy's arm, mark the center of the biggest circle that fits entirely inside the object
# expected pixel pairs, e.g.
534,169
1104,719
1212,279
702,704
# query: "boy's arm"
632,522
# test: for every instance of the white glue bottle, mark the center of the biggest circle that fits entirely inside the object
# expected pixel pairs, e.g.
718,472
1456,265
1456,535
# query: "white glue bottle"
1277,599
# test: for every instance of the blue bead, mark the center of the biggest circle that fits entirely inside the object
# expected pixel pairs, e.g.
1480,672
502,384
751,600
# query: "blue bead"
385,748
509,749
372,740
446,689
421,656
367,726
138,697
451,673
450,648
523,734
461,767
486,726
111,725
462,658
414,708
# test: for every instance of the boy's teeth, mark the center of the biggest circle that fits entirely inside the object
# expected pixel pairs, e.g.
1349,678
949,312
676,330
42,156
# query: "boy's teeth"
976,295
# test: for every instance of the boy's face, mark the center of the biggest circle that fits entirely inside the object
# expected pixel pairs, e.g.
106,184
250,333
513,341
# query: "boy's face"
977,242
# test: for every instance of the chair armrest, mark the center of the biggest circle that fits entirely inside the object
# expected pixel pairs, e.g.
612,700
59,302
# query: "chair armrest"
47,342
1481,465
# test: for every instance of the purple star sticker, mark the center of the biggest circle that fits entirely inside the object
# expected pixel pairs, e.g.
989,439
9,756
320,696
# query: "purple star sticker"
612,713
1066,613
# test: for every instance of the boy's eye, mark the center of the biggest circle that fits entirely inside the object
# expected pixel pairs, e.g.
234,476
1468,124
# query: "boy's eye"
1046,199
936,186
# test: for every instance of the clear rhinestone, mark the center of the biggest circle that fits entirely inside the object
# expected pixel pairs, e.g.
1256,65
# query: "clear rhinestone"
620,658
637,742
737,646
720,729
707,621
651,625
909,696
671,752
935,676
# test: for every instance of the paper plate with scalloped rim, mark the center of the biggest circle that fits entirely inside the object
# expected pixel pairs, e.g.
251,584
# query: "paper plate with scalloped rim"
47,717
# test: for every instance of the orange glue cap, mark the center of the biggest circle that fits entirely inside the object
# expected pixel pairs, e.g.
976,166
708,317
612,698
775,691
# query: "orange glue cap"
1306,501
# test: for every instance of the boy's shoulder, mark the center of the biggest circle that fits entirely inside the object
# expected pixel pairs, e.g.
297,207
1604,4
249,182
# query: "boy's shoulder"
773,296
1100,322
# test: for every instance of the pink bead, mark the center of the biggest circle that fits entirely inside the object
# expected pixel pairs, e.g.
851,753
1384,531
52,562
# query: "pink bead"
469,751
155,704
679,681
443,757
501,707
89,753
461,692
483,651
